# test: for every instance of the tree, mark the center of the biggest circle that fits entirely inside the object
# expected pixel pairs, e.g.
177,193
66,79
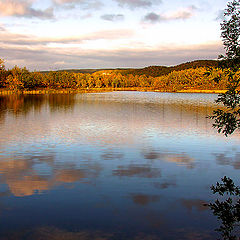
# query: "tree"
228,120
3,73
227,210
230,28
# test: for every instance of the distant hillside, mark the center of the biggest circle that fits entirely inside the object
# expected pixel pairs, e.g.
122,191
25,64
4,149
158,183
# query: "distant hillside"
154,71
86,70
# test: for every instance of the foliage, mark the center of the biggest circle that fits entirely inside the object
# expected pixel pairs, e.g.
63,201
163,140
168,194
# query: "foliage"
227,210
230,28
157,71
2,73
153,71
227,121
194,78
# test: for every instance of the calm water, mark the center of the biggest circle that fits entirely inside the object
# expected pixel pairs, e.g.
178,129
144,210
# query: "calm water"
122,165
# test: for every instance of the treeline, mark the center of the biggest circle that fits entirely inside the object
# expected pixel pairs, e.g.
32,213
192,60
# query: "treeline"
192,78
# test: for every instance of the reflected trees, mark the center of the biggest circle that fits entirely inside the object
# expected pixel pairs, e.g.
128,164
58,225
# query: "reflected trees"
227,210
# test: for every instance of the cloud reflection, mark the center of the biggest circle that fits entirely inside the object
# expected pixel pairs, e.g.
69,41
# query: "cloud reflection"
178,158
224,159
112,156
144,199
132,170
24,179
164,185
190,204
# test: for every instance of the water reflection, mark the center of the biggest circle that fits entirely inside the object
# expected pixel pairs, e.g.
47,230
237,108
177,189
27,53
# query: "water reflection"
197,204
180,159
226,159
144,199
165,185
24,178
110,166
143,171
112,156
57,102
49,233
23,104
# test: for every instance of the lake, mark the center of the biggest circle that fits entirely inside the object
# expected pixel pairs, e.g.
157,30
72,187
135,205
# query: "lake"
117,165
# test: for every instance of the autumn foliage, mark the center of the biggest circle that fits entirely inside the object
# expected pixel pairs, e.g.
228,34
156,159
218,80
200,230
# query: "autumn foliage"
192,78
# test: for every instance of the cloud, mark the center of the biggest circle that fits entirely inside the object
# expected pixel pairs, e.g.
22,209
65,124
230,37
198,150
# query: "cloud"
220,16
87,4
137,3
28,40
68,1
2,29
113,17
180,14
152,17
43,58
23,9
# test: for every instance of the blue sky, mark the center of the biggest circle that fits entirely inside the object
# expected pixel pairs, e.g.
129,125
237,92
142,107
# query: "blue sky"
63,34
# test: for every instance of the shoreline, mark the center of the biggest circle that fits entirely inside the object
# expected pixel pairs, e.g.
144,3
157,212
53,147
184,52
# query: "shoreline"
101,90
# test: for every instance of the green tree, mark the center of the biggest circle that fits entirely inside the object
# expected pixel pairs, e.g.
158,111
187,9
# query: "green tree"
228,120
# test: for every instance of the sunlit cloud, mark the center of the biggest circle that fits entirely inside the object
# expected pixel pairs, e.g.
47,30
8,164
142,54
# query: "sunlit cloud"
97,33
23,9
181,14
21,39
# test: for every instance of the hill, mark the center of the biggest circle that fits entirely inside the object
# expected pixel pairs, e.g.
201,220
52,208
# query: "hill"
154,71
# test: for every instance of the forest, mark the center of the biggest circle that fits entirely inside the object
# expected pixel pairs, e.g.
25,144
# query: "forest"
188,76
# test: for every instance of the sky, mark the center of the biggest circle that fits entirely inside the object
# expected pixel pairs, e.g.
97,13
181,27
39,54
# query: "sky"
66,34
